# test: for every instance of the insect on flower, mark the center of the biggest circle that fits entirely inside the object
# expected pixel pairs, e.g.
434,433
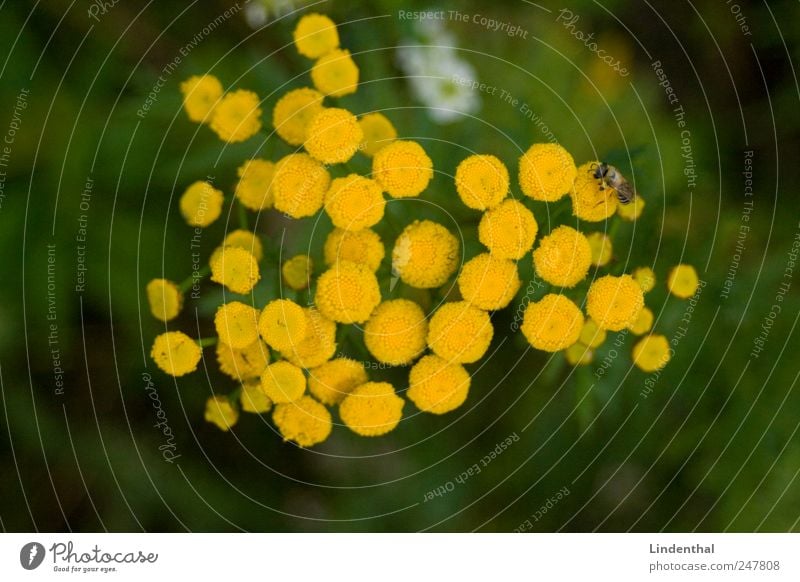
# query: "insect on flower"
610,176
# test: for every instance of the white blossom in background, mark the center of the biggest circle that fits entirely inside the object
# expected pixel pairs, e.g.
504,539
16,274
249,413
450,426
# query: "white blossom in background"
257,13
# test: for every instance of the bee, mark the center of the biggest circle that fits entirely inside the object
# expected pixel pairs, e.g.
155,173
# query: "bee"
613,178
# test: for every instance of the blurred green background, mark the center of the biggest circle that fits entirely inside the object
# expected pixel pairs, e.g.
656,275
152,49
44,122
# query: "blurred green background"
714,447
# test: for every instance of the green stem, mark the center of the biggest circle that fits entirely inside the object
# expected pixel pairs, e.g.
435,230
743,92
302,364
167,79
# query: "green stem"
243,222
207,341
187,283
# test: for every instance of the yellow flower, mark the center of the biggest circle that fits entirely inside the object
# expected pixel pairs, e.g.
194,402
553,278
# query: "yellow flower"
396,332
591,334
333,380
244,364
378,133
304,421
319,344
552,324
602,249
363,247
354,202
402,168
335,74
220,411
235,268
645,277
682,281
437,386
315,35
283,382
293,112
283,324
590,200
236,324
508,230
579,354
253,399
200,95
651,353
237,117
165,299
333,136
299,185
297,272
243,239
614,302
254,189
643,323
176,353
460,332
201,204
372,409
347,292
488,282
546,172
632,210
481,181
425,254
563,257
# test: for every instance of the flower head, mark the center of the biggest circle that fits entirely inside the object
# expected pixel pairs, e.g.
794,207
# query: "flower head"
254,189
602,249
335,379
237,117
335,74
236,324
200,95
319,344
235,268
243,239
354,202
633,210
437,386
563,257
482,181
489,282
591,334
304,421
425,254
243,364
643,323
283,382
347,292
294,111
201,204
651,353
546,172
333,136
378,133
299,185
315,35
552,324
508,230
220,411
614,302
682,281
460,332
591,199
176,353
253,399
363,247
402,168
372,409
396,332
579,355
296,272
165,299
283,324
645,277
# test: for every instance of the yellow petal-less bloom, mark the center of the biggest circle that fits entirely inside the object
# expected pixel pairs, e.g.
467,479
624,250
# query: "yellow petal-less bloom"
347,292
643,323
304,421
254,189
546,172
591,201
283,382
602,249
220,412
651,353
363,247
300,185
315,35
378,133
460,332
396,332
372,409
244,364
335,379
201,204
319,344
591,334
283,324
243,239
176,353
489,282
482,181
200,95
293,112
437,386
614,302
402,168
579,355
508,230
333,136
683,281
236,269
237,117
563,257
236,324
253,399
354,202
165,299
552,324
425,254
335,74
633,210
645,277
297,272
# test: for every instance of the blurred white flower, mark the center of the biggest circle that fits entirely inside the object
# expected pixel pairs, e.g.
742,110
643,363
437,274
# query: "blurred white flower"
257,13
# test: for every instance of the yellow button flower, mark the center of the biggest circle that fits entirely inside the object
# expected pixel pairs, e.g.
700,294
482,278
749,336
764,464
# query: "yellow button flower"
591,201
460,332
508,230
363,247
579,355
253,399
402,168
254,189
220,412
602,249
563,257
236,269
237,117
335,379
300,185
200,95
437,386
614,302
643,323
489,282
354,202
632,210
645,277
236,324
378,133
425,254
244,364
283,382
396,333
304,421
481,181
682,281
651,353
201,204
591,334
243,239
552,324
347,293
335,74
372,409
315,35
283,324
164,298
296,272
293,112
319,344
333,136
176,353
546,172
